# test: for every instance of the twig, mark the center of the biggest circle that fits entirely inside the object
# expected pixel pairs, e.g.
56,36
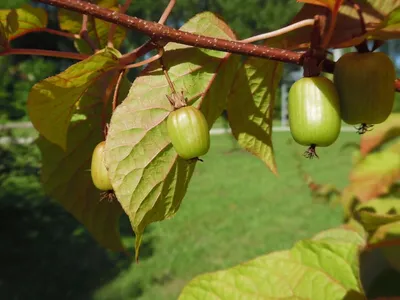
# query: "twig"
363,46
105,98
268,35
135,54
360,15
49,30
51,53
85,35
113,27
116,91
167,11
144,62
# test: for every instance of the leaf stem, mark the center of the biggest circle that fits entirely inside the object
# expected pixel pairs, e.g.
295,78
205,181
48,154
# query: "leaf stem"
48,30
167,11
41,52
106,96
268,35
113,27
116,91
85,35
144,62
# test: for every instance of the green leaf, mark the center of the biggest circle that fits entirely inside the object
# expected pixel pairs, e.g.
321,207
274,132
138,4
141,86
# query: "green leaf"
382,132
27,19
52,102
251,107
378,212
314,269
147,175
66,173
97,29
374,175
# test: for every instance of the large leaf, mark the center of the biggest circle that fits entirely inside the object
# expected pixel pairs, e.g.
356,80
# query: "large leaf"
52,102
97,29
66,173
381,133
147,175
27,19
324,268
251,107
374,175
378,212
348,29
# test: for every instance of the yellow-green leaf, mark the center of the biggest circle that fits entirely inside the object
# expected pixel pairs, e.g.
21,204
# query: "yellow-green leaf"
66,172
323,268
149,178
251,107
51,102
27,19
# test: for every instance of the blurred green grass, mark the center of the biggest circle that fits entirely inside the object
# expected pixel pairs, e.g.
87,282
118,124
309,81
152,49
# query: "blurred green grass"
235,210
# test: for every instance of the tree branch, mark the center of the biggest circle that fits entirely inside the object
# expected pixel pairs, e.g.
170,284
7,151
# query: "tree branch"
158,32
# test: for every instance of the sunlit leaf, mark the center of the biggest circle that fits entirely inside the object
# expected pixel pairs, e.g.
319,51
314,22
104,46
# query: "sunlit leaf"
374,175
324,268
27,19
251,107
381,133
378,212
97,29
51,102
66,173
147,175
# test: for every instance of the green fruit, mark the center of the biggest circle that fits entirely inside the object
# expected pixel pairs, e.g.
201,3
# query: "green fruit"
314,113
365,84
188,131
98,170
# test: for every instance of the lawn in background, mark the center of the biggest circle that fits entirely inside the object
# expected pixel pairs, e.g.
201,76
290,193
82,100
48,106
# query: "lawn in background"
235,210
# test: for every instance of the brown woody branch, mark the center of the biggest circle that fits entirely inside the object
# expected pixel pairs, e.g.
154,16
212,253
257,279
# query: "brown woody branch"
161,33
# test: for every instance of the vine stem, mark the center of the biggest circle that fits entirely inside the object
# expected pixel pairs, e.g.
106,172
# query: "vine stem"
159,32
268,35
51,53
